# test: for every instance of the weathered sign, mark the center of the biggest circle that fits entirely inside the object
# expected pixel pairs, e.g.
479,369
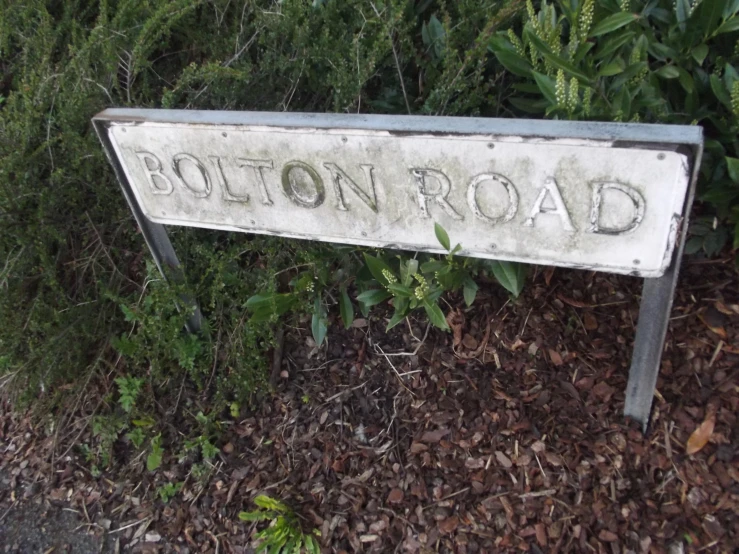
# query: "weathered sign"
569,202
604,196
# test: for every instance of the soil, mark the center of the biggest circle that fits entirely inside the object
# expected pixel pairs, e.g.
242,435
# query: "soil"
505,435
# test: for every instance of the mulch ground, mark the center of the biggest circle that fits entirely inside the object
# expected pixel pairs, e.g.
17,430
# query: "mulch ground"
506,435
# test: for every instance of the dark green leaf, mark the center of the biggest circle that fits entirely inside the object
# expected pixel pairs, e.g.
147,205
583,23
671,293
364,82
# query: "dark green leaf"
433,266
398,316
528,105
682,11
408,270
732,165
668,72
715,241
373,297
346,308
435,315
708,14
613,44
693,245
400,290
513,62
699,53
613,68
554,59
736,236
686,81
376,267
319,323
612,22
719,89
510,275
442,237
469,290
546,85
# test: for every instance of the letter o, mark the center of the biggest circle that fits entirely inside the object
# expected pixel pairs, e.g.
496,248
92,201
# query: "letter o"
288,185
197,193
510,189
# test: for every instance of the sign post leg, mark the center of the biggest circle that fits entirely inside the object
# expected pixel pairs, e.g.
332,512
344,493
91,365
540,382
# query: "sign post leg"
155,234
651,330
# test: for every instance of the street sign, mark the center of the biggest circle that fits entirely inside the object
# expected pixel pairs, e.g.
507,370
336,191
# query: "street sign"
601,196
570,202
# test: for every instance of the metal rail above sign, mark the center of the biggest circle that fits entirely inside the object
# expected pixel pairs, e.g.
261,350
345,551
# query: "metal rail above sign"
599,196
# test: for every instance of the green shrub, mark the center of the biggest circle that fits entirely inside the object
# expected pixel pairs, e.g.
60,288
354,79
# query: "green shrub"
654,61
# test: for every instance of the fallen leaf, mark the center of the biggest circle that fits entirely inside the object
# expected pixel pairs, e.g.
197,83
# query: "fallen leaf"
572,302
417,447
503,460
607,536
554,459
555,357
700,436
538,447
541,534
434,436
548,272
469,342
449,525
395,496
591,324
455,320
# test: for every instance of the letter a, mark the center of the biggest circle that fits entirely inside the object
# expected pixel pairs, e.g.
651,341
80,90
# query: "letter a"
550,187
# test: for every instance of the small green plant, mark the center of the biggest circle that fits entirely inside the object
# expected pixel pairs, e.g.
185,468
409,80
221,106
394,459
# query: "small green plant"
154,459
128,389
169,491
284,534
408,281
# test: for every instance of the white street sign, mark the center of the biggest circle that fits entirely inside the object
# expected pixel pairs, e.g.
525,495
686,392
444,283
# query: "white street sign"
570,202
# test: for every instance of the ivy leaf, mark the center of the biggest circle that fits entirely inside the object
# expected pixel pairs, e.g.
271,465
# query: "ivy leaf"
510,275
442,237
435,315
612,22
346,308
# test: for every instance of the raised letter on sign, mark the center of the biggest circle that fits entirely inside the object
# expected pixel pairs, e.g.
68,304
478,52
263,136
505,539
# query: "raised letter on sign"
424,193
258,166
638,213
177,159
156,171
227,194
337,174
294,182
512,197
550,187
